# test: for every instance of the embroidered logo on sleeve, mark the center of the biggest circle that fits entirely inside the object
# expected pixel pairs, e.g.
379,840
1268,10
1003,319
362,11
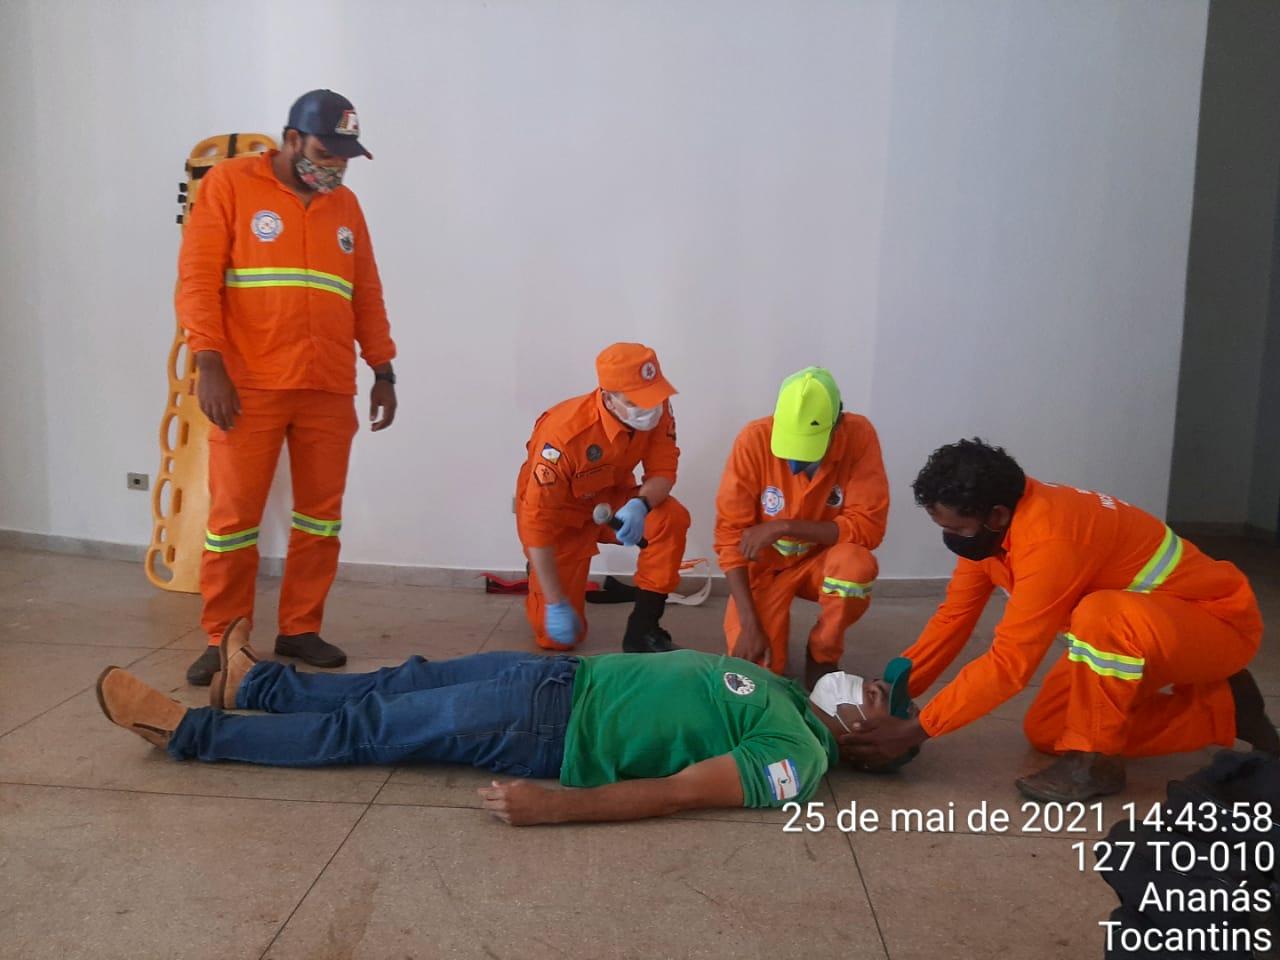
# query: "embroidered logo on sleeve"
550,453
784,781
544,475
737,683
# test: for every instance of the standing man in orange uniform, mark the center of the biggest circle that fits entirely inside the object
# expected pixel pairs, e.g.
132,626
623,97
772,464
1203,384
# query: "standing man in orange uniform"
803,501
277,286
584,452
1138,608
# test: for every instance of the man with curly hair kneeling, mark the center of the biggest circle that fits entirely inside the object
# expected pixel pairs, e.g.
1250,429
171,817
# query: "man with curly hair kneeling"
1157,634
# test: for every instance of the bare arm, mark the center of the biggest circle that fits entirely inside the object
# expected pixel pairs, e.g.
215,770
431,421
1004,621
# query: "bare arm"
655,490
710,783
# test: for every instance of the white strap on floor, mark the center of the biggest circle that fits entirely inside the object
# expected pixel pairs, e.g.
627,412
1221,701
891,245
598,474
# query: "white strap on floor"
700,596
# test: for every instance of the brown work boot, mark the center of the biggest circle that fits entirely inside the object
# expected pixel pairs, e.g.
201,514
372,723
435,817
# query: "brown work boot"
1253,726
235,659
130,703
1075,776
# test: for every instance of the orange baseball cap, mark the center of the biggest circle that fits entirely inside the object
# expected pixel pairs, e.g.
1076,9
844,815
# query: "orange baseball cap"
632,370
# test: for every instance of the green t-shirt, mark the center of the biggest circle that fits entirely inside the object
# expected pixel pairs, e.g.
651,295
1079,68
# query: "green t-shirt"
651,715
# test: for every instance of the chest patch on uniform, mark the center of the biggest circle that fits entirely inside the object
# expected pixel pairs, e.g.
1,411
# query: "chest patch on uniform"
346,239
773,501
266,225
737,683
550,453
837,497
594,453
544,475
784,780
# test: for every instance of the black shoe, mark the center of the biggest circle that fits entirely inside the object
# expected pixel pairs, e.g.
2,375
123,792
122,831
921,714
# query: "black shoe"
309,648
653,640
1253,726
200,673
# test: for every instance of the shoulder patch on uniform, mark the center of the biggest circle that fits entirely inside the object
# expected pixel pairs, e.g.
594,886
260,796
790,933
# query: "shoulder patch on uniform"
837,497
772,501
550,453
737,683
545,476
784,780
266,225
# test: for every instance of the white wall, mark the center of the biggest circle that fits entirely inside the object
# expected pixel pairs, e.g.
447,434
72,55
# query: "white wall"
975,213
1229,274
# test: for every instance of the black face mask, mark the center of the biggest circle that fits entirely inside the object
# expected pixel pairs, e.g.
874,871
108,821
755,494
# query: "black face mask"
985,543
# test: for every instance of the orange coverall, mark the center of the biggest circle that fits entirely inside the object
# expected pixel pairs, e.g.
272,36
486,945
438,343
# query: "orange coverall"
849,489
284,292
580,455
1139,609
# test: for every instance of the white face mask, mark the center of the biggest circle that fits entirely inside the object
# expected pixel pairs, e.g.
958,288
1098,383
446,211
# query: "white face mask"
836,688
637,418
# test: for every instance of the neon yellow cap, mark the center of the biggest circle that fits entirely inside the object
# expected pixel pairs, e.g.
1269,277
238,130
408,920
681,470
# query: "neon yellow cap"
808,405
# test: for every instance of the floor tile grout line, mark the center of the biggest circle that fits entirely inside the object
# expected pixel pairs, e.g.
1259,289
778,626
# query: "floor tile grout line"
77,693
501,620
170,793
857,865
303,899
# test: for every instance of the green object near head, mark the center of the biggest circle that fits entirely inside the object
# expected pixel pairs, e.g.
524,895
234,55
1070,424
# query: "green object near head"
807,409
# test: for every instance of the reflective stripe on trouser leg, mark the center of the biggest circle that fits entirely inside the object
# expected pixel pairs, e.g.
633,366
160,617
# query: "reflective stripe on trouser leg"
227,542
321,528
845,588
1104,664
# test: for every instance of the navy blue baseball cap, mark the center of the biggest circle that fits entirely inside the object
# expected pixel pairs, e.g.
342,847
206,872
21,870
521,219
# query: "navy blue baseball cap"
330,117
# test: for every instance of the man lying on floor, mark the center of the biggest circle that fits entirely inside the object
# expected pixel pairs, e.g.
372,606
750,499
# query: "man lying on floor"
649,736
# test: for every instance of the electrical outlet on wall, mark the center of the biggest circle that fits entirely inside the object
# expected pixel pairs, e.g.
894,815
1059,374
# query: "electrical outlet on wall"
139,481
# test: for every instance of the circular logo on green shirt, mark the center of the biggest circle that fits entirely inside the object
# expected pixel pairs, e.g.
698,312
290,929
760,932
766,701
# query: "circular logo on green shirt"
739,684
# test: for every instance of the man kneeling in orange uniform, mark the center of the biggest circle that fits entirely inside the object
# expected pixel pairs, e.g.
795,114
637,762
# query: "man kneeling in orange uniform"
584,453
803,501
1138,608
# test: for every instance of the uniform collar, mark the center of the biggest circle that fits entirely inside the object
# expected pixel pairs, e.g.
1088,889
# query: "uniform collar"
612,425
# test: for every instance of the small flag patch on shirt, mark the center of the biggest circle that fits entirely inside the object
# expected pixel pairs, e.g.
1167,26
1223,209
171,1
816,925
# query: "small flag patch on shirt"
550,453
784,781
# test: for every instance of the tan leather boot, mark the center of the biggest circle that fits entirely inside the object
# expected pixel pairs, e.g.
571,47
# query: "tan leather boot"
1075,776
235,659
130,703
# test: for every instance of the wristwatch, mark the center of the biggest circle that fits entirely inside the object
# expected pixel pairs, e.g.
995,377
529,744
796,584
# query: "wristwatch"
389,377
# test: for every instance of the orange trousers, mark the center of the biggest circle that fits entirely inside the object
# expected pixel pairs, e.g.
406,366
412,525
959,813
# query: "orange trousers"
1107,693
242,463
657,566
838,577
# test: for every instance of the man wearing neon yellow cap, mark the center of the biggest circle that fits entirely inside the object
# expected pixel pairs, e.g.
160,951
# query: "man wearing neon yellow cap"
802,503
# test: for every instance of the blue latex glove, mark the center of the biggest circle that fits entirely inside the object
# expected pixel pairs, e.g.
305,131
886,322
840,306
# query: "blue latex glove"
561,623
632,515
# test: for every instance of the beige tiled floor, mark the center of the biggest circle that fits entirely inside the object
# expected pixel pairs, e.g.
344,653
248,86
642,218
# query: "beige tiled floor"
108,849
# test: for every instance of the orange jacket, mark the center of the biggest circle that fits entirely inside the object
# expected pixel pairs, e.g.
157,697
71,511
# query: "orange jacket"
578,452
1063,543
282,291
849,488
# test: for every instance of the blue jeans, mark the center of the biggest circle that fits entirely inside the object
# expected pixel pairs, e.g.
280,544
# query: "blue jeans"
505,712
